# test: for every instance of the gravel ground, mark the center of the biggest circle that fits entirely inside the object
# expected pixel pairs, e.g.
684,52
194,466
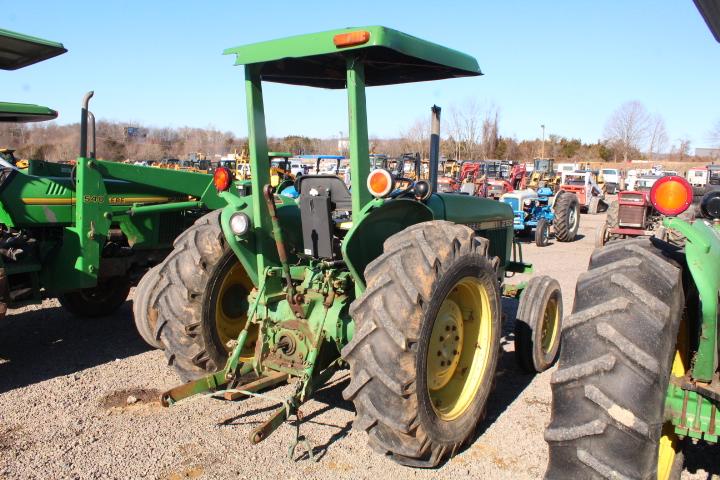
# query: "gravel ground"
64,385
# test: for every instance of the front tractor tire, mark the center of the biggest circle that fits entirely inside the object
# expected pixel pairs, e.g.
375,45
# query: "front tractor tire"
542,233
98,301
538,325
567,216
201,300
619,349
426,343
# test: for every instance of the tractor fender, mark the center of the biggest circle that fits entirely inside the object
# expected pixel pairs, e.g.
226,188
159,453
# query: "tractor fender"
702,250
554,198
376,222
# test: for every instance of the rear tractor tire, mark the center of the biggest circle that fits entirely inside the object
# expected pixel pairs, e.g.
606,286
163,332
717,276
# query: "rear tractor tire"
426,343
201,301
620,346
542,233
146,317
538,325
98,301
567,217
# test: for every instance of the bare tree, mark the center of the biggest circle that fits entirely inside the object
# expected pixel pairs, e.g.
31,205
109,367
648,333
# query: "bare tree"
417,137
715,134
628,127
683,148
466,128
490,134
658,137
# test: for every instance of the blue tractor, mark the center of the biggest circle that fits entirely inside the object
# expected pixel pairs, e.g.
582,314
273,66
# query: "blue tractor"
540,210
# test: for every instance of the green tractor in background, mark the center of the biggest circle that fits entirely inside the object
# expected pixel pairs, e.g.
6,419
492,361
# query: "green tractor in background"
84,233
401,285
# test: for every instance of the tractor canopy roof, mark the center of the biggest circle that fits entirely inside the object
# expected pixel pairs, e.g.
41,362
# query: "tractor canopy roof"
320,59
25,112
18,50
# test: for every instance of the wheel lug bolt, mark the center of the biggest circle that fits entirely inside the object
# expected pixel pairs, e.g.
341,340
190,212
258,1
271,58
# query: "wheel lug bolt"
447,328
454,328
441,338
439,353
457,339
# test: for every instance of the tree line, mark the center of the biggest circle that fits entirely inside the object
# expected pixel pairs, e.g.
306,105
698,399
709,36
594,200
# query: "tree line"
470,131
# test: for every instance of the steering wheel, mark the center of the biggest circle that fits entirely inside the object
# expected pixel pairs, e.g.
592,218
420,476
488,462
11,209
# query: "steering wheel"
406,191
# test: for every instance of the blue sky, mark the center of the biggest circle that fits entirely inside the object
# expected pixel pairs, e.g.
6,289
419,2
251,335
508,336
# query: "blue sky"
567,64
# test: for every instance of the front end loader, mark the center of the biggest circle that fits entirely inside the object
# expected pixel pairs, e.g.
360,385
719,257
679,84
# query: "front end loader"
389,278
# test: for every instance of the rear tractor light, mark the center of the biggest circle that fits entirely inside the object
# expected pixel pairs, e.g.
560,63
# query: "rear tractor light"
380,183
671,195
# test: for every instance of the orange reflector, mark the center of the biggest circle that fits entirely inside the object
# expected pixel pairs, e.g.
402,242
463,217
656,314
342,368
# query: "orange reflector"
222,179
380,183
671,195
351,39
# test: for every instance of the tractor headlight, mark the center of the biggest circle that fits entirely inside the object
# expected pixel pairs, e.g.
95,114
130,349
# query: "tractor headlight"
239,223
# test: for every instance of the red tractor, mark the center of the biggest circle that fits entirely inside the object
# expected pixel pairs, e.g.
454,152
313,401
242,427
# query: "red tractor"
634,214
491,179
517,180
447,184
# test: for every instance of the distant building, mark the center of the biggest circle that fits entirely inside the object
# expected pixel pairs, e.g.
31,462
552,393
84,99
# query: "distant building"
713,153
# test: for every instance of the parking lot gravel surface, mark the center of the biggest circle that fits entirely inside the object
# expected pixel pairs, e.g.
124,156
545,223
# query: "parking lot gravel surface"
78,399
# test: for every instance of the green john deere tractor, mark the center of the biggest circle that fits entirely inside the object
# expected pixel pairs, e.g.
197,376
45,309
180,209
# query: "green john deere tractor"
638,374
401,285
84,233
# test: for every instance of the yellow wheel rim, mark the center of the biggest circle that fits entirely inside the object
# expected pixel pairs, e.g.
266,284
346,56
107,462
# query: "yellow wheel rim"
550,324
231,309
669,444
459,348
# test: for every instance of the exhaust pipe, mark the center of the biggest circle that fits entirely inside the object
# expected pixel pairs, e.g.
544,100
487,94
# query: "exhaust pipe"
434,147
91,153
84,124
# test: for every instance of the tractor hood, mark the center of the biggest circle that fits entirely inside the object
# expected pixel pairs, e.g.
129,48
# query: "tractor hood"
320,59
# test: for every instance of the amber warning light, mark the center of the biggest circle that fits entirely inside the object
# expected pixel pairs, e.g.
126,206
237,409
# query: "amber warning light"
671,195
222,179
380,183
351,39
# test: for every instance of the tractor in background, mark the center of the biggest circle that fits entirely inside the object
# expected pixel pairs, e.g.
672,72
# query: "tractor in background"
85,232
544,174
400,285
541,210
448,180
634,214
491,178
516,179
582,184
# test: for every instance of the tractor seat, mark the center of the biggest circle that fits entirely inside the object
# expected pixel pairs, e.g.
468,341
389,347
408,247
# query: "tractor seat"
328,186
325,204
